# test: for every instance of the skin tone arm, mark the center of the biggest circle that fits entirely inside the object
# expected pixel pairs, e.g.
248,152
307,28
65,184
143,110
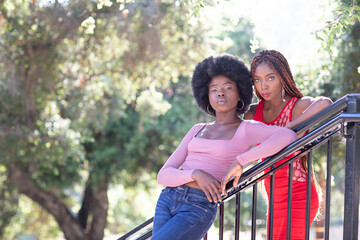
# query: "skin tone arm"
307,107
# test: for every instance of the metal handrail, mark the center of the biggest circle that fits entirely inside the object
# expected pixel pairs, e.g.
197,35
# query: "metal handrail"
136,229
304,144
296,146
332,110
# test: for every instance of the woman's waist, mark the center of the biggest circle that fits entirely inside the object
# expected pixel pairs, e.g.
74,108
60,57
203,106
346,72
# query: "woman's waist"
193,184
189,189
217,171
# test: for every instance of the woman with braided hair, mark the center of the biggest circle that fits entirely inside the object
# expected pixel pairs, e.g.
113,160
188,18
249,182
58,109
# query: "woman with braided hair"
282,104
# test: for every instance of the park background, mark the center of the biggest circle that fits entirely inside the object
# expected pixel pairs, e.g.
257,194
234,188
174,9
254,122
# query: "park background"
95,95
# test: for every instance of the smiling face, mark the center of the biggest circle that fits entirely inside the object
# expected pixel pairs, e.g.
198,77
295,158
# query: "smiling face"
267,82
223,94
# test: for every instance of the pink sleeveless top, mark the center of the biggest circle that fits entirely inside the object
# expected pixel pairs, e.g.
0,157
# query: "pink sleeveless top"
282,120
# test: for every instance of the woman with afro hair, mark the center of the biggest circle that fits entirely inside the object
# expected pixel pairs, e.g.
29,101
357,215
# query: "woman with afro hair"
187,207
282,104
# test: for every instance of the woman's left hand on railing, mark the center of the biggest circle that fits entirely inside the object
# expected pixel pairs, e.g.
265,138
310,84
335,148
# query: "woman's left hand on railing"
234,170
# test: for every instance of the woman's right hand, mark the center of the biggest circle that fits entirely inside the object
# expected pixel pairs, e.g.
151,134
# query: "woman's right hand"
209,185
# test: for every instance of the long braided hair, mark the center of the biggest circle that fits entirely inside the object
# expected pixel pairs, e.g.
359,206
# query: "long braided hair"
278,63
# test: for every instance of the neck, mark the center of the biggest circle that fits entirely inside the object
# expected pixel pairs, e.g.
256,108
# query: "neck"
224,120
278,101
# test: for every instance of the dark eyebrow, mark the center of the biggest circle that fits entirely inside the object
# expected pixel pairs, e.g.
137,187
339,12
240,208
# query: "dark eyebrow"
272,73
224,83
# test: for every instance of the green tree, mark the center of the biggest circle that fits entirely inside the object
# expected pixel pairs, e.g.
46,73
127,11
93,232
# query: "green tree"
81,88
340,39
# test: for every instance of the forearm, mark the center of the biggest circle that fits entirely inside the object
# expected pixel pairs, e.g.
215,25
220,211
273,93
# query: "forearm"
318,105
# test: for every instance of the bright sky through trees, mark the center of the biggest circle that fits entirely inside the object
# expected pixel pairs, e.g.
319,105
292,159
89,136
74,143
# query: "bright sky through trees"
287,26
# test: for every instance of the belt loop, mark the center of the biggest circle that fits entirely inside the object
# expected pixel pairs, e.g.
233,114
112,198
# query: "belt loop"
186,196
186,189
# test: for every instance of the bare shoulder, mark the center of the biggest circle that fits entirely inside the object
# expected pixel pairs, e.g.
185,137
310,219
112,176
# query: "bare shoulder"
249,115
317,103
304,102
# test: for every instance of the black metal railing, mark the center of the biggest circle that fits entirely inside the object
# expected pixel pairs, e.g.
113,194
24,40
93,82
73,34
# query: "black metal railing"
342,118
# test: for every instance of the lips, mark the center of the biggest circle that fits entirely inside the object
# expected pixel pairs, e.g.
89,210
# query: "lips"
265,95
221,101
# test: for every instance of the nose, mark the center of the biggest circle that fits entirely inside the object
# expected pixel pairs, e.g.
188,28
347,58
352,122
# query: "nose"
221,93
264,85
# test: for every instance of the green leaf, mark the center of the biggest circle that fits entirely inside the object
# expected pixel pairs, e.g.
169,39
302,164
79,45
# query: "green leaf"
319,38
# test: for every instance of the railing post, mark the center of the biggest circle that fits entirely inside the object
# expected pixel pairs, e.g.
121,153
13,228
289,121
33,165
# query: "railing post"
352,173
289,208
237,217
221,221
271,204
308,195
254,208
328,188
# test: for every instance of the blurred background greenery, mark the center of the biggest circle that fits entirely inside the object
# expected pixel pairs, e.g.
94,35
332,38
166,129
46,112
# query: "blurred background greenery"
95,95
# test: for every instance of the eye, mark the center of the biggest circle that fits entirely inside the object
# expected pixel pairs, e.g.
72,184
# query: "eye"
256,80
213,90
271,78
228,87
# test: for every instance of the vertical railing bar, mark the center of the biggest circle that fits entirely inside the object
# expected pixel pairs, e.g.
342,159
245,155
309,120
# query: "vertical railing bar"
308,195
289,207
221,221
237,217
352,173
328,188
271,204
254,207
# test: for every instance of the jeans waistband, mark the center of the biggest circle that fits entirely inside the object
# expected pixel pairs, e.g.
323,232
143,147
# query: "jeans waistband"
186,189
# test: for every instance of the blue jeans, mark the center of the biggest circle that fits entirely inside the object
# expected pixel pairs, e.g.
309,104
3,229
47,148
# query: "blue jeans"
183,213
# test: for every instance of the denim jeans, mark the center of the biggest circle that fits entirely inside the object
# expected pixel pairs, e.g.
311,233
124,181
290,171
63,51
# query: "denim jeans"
183,213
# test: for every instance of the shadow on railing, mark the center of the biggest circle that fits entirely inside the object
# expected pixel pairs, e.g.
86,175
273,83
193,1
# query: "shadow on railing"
341,118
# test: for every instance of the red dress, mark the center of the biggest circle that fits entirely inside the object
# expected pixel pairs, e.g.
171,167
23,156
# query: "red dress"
298,214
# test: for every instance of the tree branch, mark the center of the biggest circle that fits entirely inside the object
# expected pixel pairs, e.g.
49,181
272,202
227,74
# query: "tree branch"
95,203
49,201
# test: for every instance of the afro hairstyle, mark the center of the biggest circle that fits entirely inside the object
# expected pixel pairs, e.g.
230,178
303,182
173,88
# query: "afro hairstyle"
228,66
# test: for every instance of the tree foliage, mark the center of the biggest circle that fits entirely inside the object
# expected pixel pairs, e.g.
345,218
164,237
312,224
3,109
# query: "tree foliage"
93,93
83,87
340,39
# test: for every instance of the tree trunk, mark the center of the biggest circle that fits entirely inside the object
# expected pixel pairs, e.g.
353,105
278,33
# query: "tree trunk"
68,224
95,203
99,210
